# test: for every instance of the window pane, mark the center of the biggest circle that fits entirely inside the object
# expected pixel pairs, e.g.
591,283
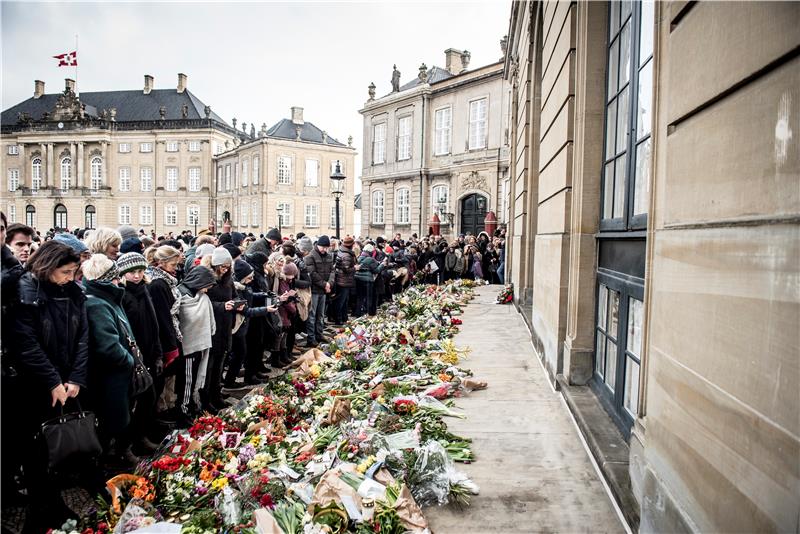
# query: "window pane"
622,120
631,397
644,113
611,125
613,18
641,191
625,55
613,310
619,186
625,10
646,36
635,317
611,364
602,302
613,69
599,357
608,190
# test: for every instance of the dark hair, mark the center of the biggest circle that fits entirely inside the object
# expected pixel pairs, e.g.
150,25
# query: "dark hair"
18,228
3,217
289,250
49,257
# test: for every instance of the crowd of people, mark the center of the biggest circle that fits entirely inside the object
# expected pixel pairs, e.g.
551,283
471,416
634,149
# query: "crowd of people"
207,316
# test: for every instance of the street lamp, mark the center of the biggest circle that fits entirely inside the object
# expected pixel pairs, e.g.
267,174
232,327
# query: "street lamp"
447,217
280,212
337,188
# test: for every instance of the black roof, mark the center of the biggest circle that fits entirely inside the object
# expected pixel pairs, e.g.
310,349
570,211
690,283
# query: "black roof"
285,129
435,74
131,105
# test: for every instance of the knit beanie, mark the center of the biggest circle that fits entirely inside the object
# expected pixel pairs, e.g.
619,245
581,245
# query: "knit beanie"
204,250
220,257
274,234
234,251
323,241
72,242
99,268
290,269
305,245
131,244
368,248
237,238
224,238
348,241
241,270
127,232
131,261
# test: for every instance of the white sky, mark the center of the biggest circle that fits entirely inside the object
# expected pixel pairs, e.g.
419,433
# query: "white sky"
248,60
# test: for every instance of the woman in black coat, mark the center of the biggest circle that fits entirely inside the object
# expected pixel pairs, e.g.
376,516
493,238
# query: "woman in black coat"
50,346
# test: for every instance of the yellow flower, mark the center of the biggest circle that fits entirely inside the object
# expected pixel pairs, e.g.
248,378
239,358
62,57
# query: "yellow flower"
315,370
219,483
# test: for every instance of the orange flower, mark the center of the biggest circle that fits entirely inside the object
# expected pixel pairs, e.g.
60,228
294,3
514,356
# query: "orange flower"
444,377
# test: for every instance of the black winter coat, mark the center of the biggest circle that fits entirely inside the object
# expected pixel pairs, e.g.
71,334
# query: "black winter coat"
320,269
141,314
163,300
219,295
345,267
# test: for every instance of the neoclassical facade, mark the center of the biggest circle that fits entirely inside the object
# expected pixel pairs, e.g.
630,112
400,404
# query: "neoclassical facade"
436,145
281,178
140,157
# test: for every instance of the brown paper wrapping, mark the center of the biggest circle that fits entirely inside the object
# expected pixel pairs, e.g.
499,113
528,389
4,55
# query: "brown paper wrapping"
474,384
265,523
330,487
340,411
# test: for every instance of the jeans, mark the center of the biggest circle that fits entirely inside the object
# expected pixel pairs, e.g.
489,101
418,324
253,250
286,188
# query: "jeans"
364,298
340,304
501,272
316,317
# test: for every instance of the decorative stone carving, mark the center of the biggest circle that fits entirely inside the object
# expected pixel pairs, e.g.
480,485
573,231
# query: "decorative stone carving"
465,57
234,123
112,113
371,90
68,106
504,45
207,111
474,180
244,127
395,79
325,137
423,73
297,130
252,130
263,131
184,111
162,111
349,140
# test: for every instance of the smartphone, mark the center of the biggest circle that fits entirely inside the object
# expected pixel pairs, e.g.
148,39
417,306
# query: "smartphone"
238,302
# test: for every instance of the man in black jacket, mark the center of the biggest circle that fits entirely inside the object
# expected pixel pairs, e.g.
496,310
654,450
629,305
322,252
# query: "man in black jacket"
320,269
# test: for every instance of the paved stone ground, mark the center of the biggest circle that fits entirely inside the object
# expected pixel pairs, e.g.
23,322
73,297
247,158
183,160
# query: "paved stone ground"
534,474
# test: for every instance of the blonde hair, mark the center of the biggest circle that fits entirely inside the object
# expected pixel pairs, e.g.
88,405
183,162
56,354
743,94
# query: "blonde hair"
150,255
102,238
203,239
164,253
96,266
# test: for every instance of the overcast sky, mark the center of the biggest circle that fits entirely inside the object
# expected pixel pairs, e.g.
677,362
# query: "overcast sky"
252,61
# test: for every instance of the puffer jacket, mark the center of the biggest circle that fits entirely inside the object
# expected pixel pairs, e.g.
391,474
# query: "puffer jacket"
345,267
320,269
369,268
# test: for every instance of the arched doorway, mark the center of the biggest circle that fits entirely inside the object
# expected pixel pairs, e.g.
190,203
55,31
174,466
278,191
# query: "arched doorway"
473,212
90,217
226,216
60,216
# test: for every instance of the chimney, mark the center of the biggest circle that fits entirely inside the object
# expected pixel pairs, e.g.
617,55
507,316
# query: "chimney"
69,85
181,82
148,84
297,115
453,62
38,88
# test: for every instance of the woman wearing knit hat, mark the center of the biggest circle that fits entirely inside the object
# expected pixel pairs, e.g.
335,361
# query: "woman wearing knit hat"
110,358
138,305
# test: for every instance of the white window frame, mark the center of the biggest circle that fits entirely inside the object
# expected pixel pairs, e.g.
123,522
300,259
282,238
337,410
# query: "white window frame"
436,196
192,214
13,179
311,215
124,179
12,212
256,213
96,173
194,146
124,148
314,164
333,216
378,208
13,150
244,212
171,214
219,178
30,216
36,174
66,173
478,127
228,177
405,125
146,179
379,143
403,205
285,213
195,179
145,147
245,174
124,214
172,146
443,131
172,179
145,214
284,170
256,169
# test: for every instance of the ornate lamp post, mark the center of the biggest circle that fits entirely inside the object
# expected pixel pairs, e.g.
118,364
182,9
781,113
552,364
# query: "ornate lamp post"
280,213
447,218
337,188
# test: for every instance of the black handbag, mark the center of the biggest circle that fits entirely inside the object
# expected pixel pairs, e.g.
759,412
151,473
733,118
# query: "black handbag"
141,379
70,435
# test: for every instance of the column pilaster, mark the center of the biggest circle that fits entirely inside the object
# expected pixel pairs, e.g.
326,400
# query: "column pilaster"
81,166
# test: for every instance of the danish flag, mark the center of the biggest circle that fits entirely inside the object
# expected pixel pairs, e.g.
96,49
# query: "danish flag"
70,59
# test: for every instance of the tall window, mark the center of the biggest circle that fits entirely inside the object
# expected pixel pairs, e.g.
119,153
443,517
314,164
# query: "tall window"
228,177
312,173
245,172
146,179
439,199
96,170
124,214
477,123
192,215
145,147
442,127
256,169
333,215
256,210
66,173
36,174
89,217
377,207
124,178
404,138
244,220
13,179
284,170
629,116
312,216
284,214
124,148
13,150
403,206
12,212
145,214
194,146
172,179
379,143
172,146
194,178
171,214
219,178
30,216
60,217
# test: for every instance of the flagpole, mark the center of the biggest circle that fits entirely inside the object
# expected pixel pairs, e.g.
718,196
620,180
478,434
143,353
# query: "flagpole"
77,91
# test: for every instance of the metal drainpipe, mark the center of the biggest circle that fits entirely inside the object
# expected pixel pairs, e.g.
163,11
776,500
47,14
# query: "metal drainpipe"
421,174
